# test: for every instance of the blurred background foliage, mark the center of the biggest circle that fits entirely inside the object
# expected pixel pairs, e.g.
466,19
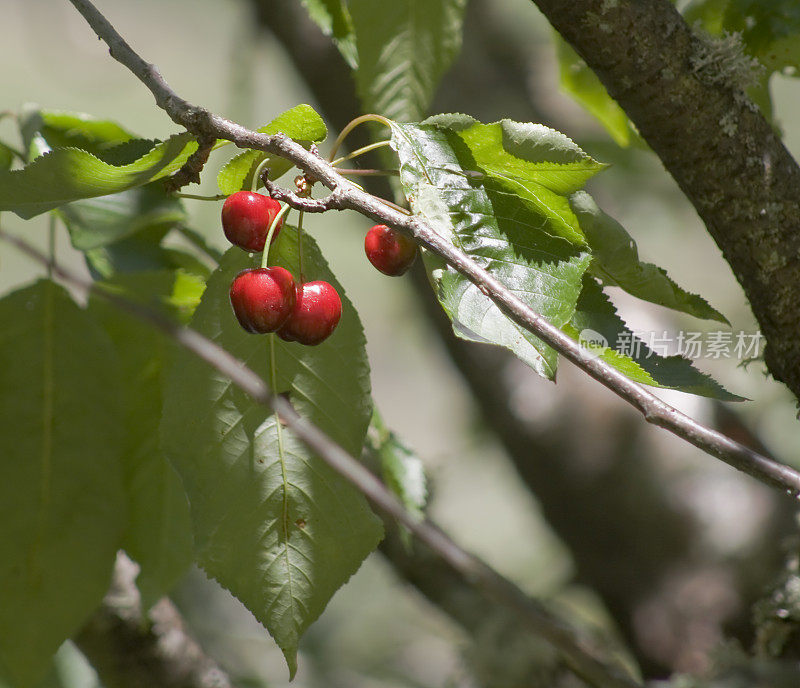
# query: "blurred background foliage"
561,487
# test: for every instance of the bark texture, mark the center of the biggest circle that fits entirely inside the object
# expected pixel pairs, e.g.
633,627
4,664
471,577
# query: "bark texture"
132,649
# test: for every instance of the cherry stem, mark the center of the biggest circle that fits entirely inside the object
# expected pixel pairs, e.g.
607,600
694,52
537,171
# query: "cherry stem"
361,151
218,197
300,245
257,174
352,125
268,243
370,173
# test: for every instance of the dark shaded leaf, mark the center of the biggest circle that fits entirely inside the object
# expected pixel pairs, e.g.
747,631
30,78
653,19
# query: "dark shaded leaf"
404,49
333,17
62,506
97,222
158,535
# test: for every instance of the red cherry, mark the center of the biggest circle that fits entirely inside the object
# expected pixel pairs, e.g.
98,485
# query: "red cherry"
315,315
263,298
246,217
389,251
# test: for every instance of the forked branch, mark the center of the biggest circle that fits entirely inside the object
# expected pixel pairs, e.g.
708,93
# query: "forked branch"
203,123
581,656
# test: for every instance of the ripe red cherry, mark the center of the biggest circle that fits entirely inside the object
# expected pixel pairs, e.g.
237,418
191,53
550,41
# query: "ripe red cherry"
389,251
315,315
246,217
263,298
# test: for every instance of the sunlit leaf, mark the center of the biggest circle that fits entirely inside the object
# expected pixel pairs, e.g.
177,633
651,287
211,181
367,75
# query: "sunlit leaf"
72,130
69,174
301,123
582,84
498,192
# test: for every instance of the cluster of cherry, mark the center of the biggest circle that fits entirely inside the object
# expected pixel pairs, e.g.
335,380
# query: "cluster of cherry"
269,300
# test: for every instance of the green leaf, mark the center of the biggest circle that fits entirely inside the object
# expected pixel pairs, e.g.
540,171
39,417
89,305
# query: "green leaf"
709,13
770,29
142,252
498,193
333,17
72,130
69,174
272,523
301,123
616,263
44,130
404,49
596,315
186,292
158,535
97,222
402,470
61,497
538,164
582,84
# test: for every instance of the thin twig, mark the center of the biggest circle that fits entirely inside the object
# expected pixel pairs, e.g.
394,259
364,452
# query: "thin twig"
579,655
300,246
333,201
352,125
202,122
361,151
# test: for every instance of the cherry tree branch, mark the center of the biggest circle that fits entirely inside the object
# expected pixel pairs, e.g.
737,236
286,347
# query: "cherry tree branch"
581,656
201,122
130,648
